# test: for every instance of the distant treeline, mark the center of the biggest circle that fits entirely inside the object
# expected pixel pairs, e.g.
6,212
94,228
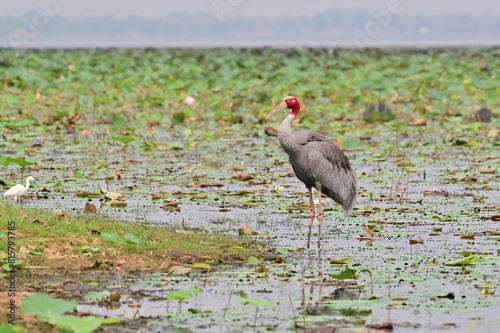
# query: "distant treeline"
202,25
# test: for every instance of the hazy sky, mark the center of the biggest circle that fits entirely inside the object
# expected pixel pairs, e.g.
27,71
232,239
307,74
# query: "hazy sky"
268,8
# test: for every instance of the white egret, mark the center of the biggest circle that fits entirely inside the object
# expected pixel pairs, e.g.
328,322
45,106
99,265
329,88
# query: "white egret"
19,190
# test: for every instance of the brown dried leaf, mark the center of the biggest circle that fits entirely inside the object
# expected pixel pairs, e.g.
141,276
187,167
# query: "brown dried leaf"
112,195
384,326
90,208
338,261
418,122
271,131
467,236
243,178
488,171
246,178
194,118
86,132
73,118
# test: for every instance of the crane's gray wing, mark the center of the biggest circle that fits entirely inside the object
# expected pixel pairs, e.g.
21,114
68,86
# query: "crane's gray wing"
331,169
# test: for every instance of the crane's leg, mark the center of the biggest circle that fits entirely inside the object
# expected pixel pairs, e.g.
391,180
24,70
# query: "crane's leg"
320,217
311,203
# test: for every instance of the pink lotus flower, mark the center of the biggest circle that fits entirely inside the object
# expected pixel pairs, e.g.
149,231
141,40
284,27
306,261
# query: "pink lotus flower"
190,101
38,95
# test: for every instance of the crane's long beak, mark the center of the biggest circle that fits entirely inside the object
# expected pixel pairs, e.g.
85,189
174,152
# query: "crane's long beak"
36,184
278,108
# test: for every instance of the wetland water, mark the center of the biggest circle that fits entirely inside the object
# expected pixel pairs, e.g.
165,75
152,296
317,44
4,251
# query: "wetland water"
428,192
423,294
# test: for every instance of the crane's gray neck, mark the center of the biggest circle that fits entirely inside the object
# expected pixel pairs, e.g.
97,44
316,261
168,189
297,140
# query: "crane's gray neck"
285,136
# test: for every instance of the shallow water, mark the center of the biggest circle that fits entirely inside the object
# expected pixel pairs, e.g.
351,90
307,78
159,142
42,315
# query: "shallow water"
439,196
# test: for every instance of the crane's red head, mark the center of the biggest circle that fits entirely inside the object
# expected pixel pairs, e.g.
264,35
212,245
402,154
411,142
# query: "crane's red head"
288,103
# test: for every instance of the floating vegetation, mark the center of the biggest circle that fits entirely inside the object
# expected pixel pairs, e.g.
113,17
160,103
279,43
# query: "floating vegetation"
179,136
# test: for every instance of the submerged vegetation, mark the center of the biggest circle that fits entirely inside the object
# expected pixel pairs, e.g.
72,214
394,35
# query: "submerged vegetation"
159,161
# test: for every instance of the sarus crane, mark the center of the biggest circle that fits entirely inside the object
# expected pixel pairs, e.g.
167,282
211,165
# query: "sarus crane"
318,163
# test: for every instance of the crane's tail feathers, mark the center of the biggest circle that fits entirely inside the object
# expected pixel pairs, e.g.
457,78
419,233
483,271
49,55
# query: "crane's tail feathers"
352,192
347,207
345,190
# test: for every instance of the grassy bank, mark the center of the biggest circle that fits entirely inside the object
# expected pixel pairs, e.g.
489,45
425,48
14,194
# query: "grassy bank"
59,244
53,242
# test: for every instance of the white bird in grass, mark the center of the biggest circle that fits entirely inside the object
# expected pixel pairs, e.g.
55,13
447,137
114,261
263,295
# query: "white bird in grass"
19,190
